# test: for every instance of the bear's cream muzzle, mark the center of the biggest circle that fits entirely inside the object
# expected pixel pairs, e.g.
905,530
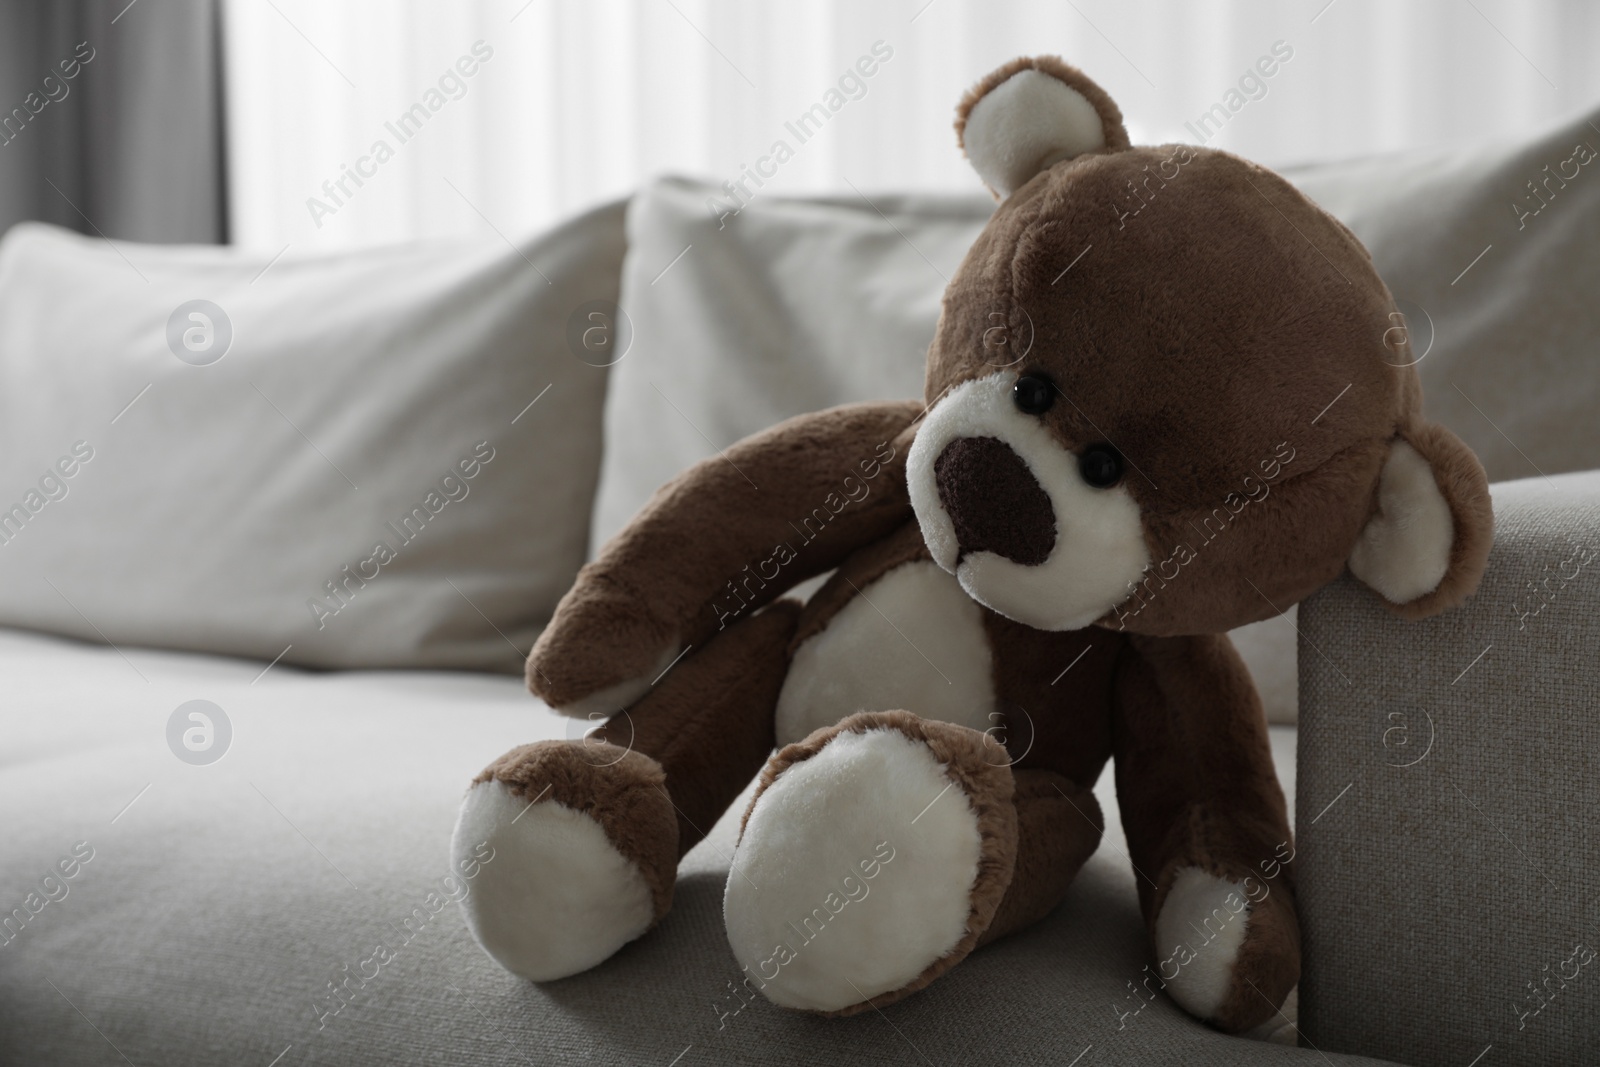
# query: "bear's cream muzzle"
1003,507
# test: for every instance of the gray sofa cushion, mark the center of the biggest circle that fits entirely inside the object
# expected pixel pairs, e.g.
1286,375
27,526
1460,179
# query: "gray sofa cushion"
1447,793
353,458
220,901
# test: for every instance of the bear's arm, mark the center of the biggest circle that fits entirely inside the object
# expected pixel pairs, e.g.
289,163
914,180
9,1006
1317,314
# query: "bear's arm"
725,537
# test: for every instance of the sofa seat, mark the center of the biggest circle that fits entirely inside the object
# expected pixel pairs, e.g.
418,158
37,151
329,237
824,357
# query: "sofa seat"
218,902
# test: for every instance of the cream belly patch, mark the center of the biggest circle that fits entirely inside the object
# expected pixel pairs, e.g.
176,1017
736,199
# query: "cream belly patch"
912,641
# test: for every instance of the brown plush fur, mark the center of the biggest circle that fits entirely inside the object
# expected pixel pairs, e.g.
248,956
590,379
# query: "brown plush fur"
718,518
1058,828
1054,689
709,723
1197,384
1221,332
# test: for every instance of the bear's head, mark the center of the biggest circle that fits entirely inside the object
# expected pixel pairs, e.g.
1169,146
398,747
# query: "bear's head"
1170,394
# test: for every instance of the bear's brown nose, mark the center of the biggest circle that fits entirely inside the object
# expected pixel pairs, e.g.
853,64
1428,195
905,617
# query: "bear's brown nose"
994,501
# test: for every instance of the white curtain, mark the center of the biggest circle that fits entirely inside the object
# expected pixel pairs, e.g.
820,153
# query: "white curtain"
571,102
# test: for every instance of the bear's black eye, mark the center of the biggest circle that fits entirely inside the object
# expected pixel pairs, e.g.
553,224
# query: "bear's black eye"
1033,394
1101,466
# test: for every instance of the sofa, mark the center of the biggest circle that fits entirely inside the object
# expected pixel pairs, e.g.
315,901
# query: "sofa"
1445,797
259,639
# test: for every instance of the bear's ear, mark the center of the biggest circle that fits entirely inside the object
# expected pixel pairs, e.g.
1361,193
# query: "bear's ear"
1032,113
1426,545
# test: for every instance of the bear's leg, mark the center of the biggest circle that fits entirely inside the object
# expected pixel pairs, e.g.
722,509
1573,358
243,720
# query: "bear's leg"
874,856
1059,826
574,845
1206,821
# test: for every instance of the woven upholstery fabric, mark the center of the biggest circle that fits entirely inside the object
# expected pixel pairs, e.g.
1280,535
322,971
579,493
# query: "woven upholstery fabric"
1448,786
220,900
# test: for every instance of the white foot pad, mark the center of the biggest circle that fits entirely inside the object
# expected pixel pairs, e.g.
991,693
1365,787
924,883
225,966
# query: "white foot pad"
854,874
1198,933
557,898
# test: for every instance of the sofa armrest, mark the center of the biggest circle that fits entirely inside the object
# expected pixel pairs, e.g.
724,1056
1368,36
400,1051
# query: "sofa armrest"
1448,874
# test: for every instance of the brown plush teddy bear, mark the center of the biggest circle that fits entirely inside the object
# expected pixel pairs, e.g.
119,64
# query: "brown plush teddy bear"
1166,398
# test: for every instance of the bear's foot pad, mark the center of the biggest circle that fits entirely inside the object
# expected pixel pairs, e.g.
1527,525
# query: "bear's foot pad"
584,844
868,861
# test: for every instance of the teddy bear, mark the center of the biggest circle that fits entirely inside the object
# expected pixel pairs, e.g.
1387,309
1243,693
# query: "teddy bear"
1165,398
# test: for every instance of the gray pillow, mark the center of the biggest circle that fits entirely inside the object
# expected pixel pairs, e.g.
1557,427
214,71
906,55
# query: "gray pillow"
791,306
330,459
1493,253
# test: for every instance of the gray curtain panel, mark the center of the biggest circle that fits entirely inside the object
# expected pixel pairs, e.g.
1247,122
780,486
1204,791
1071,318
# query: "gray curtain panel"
111,118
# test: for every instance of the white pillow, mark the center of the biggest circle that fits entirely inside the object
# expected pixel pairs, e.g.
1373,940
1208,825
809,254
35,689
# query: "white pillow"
204,483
